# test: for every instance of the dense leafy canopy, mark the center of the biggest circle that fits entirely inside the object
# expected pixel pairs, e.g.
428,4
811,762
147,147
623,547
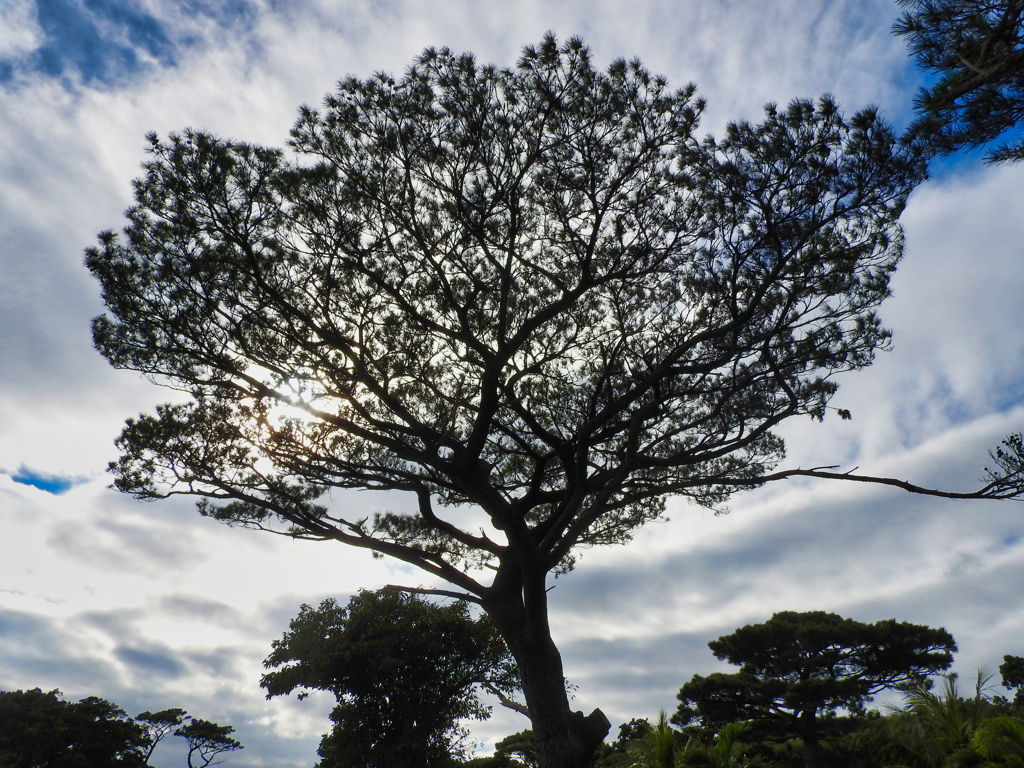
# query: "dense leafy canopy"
41,729
945,728
1011,672
521,747
796,668
942,728
404,672
976,47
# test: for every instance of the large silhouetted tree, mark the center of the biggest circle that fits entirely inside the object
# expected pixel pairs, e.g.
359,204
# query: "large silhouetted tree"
797,668
404,673
528,294
976,48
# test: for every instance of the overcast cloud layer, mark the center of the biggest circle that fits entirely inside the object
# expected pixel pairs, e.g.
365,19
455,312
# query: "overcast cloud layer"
153,607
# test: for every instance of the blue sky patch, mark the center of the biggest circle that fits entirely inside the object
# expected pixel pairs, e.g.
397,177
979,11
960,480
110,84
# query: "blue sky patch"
101,39
44,481
106,41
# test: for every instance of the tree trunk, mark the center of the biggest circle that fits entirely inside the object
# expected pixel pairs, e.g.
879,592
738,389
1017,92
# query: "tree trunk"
808,728
518,606
812,753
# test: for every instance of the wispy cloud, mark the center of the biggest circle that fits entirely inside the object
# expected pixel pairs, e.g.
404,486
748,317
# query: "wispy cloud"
97,40
153,607
102,43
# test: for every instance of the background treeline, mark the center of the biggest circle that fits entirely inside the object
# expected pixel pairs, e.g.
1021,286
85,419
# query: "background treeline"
947,728
933,729
407,674
41,730
799,697
799,701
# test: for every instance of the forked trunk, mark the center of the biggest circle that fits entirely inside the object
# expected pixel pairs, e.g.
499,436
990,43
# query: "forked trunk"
565,739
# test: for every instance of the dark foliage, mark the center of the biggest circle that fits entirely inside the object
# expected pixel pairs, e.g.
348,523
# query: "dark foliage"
798,669
404,672
159,725
41,729
1012,676
976,47
945,728
521,747
207,741
492,761
529,295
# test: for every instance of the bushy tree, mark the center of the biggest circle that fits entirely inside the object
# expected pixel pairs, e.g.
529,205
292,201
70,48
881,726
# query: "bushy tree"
1011,673
658,746
797,669
521,747
976,48
42,729
724,750
618,753
530,298
999,741
404,673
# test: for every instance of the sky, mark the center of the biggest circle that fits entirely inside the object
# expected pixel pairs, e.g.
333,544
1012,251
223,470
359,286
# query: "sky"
151,606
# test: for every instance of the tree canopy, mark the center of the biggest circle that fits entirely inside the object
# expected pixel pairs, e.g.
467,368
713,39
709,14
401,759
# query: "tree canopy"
521,747
530,298
796,668
404,672
976,48
207,741
160,725
40,729
1011,673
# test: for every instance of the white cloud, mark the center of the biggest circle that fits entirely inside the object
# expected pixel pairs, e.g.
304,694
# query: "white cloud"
633,621
19,30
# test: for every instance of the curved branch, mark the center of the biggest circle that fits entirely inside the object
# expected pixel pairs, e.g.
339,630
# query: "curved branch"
999,488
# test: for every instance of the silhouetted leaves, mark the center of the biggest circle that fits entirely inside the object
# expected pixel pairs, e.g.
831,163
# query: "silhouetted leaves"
797,669
41,730
530,294
976,47
403,671
207,741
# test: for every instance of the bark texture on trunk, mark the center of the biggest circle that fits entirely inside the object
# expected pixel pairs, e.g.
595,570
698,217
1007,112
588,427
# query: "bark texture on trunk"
518,606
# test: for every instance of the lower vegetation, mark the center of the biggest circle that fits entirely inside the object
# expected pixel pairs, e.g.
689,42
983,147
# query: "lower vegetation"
407,674
944,727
